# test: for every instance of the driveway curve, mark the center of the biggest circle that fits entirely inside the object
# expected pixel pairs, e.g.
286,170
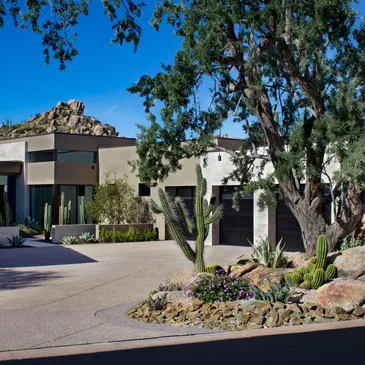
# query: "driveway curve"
59,296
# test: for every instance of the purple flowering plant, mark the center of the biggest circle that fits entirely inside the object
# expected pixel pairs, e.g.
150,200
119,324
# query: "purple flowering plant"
220,288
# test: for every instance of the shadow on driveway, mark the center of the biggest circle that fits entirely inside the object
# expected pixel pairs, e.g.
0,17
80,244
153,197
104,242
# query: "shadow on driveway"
11,279
47,256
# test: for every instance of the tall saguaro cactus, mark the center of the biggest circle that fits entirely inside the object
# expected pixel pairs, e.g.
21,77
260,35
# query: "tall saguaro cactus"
7,209
177,218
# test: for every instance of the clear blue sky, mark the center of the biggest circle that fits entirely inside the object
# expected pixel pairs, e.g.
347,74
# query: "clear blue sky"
98,76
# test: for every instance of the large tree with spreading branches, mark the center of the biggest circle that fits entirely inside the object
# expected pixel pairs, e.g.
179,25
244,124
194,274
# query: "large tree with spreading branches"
291,72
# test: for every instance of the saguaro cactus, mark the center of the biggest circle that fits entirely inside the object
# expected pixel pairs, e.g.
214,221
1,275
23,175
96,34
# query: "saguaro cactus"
177,217
83,214
7,209
47,221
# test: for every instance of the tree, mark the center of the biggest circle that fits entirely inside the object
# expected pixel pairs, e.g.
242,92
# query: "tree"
292,73
115,202
56,20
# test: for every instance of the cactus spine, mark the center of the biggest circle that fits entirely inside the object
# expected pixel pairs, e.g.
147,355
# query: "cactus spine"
47,221
177,217
316,273
64,212
83,216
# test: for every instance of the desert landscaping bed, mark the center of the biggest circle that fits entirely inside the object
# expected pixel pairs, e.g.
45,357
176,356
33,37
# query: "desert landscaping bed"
341,299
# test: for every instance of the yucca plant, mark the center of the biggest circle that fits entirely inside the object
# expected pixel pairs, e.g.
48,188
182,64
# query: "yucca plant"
265,255
16,241
86,237
69,240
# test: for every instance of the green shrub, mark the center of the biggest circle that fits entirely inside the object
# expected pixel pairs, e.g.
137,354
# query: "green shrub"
27,232
276,293
350,241
132,235
86,237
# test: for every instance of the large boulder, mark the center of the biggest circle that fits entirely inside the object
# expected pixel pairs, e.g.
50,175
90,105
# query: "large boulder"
262,275
350,263
296,259
345,293
181,278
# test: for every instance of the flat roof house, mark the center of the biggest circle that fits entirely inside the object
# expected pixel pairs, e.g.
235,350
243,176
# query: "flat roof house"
38,169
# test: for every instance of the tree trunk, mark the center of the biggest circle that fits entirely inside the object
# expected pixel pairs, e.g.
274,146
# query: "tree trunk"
309,210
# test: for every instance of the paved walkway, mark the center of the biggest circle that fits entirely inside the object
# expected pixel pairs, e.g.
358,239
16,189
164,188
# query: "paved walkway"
56,295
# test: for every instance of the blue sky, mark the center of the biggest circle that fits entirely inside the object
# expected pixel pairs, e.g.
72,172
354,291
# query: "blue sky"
98,76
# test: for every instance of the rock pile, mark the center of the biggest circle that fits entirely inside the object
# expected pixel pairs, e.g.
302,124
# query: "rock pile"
242,315
64,117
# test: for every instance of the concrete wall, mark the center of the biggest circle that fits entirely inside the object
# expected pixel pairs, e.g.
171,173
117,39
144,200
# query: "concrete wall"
7,232
76,173
41,173
116,159
16,151
58,232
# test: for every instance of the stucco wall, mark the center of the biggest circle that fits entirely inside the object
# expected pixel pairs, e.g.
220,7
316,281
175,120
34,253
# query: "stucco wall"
16,151
116,159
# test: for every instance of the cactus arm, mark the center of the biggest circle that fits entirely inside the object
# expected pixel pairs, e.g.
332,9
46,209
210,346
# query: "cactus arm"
216,215
174,226
155,208
185,214
330,272
322,250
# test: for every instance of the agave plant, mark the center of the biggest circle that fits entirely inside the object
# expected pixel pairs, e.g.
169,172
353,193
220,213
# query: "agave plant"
69,240
16,241
266,255
86,237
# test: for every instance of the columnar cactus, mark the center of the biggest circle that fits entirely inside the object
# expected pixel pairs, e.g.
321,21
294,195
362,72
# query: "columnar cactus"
212,269
47,221
64,212
83,215
177,217
316,273
7,209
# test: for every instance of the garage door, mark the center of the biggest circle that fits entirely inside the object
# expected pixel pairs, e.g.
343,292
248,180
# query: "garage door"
236,228
288,228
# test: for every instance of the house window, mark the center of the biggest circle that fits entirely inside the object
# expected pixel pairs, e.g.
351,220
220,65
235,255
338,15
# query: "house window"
76,156
41,156
144,190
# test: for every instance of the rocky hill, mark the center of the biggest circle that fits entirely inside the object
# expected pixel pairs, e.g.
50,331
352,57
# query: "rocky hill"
64,117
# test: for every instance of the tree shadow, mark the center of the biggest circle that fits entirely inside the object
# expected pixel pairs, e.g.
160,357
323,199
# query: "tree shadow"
41,256
11,279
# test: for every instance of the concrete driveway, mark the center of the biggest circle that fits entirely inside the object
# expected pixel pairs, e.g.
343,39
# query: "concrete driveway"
55,296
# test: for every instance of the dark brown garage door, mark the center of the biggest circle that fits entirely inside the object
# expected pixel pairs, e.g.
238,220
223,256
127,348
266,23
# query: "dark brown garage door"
236,228
288,228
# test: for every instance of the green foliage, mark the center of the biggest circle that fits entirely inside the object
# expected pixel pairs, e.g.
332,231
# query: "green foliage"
276,293
16,241
220,287
56,21
47,217
132,235
316,273
27,232
265,254
115,202
69,240
86,237
213,269
351,241
291,73
177,216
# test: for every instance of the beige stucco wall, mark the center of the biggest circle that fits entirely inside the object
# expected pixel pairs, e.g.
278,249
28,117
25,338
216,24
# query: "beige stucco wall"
116,159
41,173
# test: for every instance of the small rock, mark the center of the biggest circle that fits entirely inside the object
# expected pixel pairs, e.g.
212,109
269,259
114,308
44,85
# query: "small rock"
238,271
359,312
261,276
